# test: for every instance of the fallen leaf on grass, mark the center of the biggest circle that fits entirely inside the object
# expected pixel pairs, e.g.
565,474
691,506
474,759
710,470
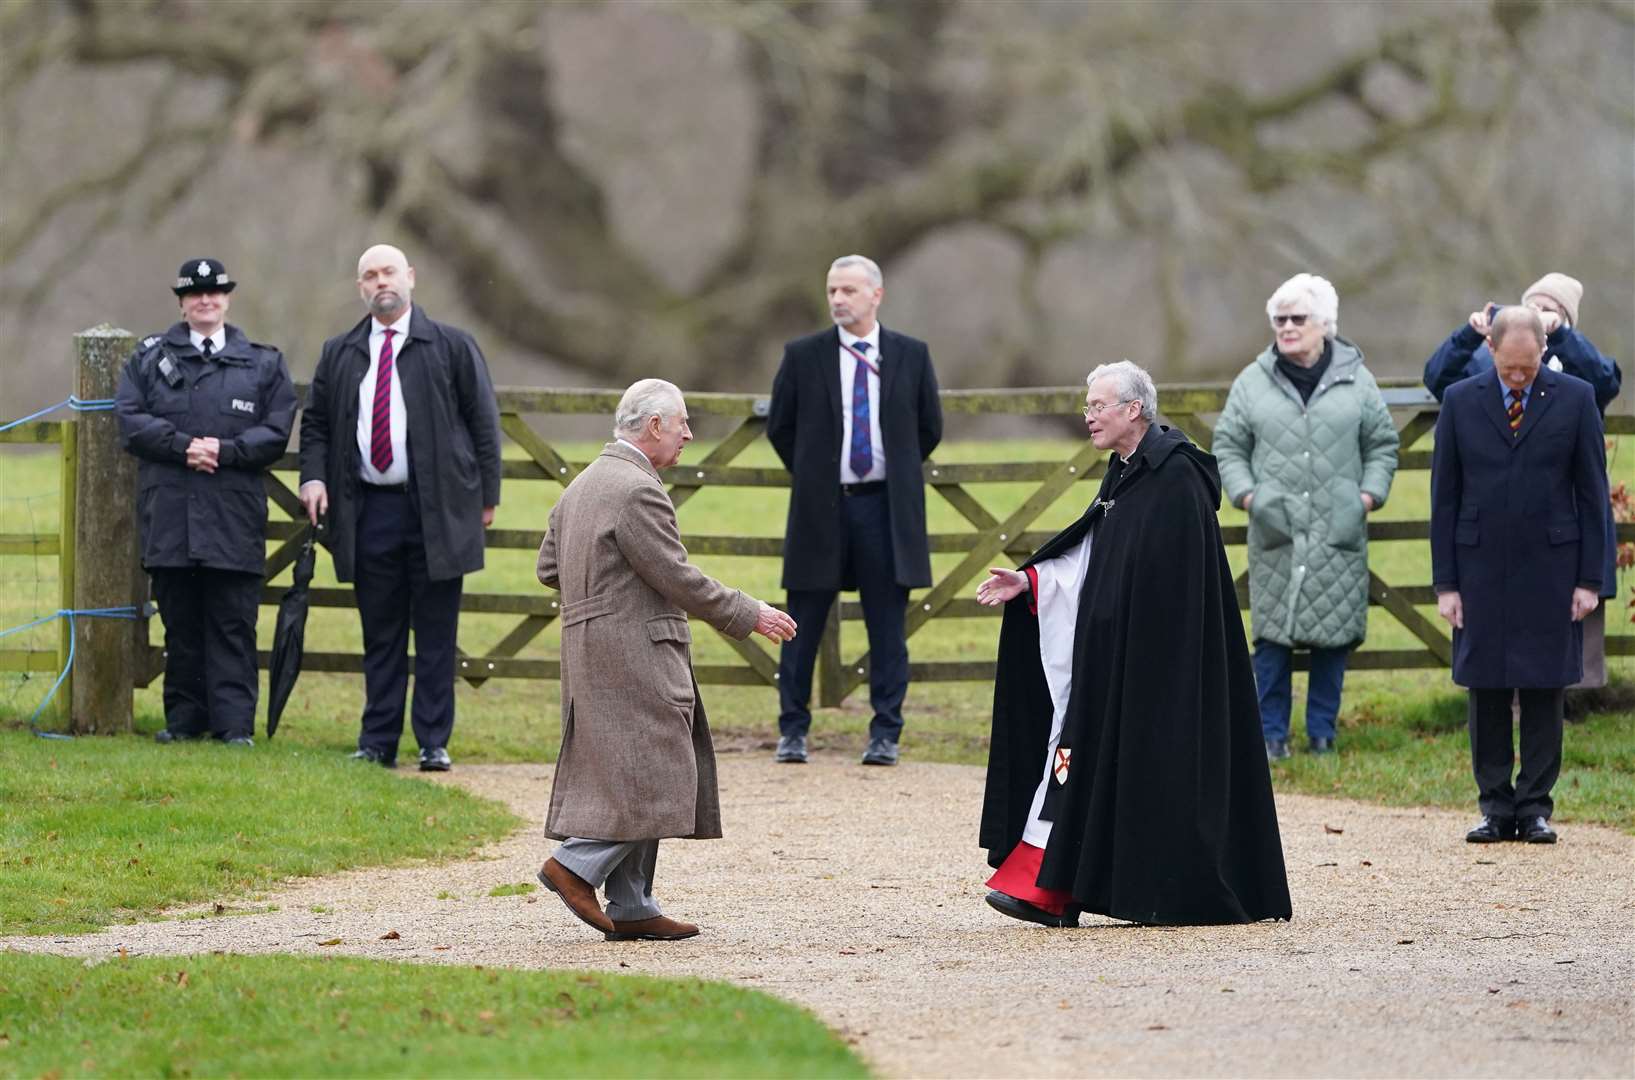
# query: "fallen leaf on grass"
1331,830
391,935
331,941
181,978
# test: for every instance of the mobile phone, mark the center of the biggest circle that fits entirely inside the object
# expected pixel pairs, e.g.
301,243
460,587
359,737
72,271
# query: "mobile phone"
1492,310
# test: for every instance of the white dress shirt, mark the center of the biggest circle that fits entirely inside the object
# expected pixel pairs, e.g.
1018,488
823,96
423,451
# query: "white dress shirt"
848,372
398,471
218,340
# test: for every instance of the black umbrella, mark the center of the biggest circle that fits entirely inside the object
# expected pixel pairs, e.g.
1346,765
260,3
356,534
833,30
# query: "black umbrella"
289,636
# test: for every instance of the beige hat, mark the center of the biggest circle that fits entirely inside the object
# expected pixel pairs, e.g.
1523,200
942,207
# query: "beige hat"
1564,290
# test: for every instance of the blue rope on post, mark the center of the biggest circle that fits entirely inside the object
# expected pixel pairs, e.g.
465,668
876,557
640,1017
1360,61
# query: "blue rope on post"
70,614
69,402
78,404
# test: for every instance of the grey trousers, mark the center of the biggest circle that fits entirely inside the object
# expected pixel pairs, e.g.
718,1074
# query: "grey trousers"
623,868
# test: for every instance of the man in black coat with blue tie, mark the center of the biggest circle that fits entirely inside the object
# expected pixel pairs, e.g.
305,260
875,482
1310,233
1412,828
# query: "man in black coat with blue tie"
854,414
1518,489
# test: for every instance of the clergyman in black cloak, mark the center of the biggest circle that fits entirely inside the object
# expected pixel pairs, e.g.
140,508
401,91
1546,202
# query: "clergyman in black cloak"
1126,772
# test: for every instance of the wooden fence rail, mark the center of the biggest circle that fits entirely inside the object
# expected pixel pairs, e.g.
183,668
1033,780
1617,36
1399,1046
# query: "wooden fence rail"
107,522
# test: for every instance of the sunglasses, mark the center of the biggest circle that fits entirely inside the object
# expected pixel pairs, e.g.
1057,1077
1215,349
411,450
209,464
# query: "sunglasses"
1292,320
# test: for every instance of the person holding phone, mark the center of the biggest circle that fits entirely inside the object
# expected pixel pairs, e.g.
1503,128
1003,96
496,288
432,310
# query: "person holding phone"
1556,299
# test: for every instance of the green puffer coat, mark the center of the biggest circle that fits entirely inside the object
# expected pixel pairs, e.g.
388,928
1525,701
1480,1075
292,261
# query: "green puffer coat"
1307,466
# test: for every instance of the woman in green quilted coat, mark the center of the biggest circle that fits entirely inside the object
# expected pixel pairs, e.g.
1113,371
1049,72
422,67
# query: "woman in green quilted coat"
1306,446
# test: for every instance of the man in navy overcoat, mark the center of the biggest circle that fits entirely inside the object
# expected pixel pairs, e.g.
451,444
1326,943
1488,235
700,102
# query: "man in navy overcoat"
1518,483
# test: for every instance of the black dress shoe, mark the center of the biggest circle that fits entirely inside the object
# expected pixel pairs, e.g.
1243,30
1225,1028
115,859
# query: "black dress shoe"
881,751
1319,745
1536,830
1006,904
166,736
1492,830
791,750
1277,749
435,759
239,740
374,757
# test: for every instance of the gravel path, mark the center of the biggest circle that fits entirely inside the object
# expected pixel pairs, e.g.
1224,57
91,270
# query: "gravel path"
858,893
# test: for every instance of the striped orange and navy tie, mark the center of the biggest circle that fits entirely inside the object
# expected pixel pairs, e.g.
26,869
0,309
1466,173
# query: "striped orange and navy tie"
1514,412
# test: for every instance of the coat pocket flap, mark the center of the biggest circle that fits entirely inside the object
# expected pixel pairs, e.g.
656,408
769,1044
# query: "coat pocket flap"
1564,532
589,608
669,628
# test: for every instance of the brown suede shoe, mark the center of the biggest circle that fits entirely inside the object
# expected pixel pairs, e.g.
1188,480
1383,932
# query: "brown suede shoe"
658,928
575,892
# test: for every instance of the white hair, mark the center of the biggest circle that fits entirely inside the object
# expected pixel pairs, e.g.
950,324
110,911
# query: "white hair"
645,398
1133,384
1313,293
871,269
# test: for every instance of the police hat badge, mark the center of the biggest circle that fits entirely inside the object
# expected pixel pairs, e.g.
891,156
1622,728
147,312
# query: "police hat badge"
203,275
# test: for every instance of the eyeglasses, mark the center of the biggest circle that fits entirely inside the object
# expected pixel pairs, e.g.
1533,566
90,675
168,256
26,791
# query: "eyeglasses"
1294,320
1093,411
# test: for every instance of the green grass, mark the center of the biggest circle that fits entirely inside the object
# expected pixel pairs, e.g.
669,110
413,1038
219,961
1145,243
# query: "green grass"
99,831
521,888
1383,753
342,1017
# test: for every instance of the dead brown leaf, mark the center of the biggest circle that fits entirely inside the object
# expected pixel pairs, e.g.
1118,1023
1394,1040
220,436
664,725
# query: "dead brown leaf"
391,935
331,941
1332,830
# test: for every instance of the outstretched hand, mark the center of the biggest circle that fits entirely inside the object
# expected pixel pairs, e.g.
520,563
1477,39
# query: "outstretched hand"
1001,586
774,624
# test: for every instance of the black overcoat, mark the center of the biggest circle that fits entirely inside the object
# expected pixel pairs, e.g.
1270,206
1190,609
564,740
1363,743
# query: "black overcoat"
453,438
1167,814
804,426
243,397
1516,524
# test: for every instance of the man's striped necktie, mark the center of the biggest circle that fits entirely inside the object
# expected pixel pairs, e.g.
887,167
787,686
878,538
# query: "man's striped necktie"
1514,412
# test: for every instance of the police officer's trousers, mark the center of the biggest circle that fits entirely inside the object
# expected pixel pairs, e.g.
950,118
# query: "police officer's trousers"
210,662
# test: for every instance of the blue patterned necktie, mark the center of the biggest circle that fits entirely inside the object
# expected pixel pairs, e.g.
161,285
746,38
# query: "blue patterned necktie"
862,456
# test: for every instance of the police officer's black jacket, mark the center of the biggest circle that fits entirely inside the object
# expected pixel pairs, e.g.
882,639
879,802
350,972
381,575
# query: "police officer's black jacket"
453,428
243,397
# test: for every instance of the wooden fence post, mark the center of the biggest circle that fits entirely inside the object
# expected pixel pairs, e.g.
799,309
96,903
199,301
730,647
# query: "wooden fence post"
104,545
831,676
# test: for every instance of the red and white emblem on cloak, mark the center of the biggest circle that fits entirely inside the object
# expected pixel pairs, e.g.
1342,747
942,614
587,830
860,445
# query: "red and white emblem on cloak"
1064,754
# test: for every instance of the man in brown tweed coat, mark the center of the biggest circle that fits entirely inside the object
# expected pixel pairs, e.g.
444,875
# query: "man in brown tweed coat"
636,763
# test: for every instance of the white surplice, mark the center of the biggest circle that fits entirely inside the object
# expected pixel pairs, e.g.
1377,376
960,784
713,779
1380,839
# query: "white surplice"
1060,581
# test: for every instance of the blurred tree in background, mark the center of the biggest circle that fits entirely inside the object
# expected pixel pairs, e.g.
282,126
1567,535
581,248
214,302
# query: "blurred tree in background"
604,191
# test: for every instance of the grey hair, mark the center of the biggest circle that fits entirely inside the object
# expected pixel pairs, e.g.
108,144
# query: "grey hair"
1509,318
871,269
1133,383
645,398
1313,293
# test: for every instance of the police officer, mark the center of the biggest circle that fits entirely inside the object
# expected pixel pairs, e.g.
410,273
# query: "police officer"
207,411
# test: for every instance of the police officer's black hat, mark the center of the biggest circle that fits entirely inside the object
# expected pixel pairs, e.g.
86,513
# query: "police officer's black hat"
203,275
